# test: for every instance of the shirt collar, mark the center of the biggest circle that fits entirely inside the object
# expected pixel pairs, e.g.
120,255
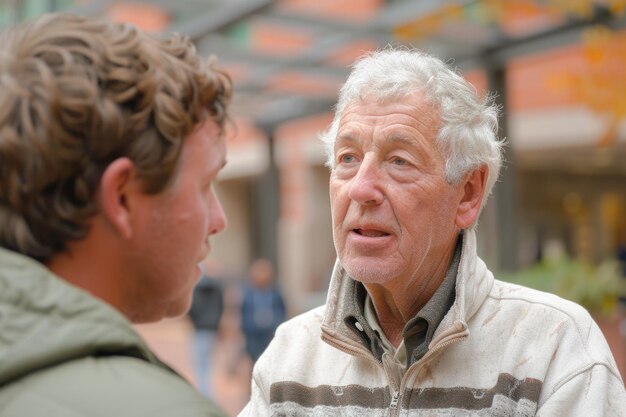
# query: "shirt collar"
418,332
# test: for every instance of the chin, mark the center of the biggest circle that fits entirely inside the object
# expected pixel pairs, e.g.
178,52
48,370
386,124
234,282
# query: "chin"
368,273
179,308
197,273
145,318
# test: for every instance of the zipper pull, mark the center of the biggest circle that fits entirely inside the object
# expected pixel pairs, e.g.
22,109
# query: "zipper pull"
395,399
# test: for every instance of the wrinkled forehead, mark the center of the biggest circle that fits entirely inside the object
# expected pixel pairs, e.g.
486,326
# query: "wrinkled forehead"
419,99
408,122
411,108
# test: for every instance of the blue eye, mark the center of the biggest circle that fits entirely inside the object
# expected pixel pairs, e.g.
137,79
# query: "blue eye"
346,158
399,161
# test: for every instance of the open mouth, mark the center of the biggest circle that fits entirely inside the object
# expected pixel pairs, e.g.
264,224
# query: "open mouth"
370,233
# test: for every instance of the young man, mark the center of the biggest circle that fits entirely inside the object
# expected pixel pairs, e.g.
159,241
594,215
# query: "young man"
110,141
415,324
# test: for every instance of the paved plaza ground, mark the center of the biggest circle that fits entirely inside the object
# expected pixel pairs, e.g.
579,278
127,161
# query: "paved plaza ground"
171,340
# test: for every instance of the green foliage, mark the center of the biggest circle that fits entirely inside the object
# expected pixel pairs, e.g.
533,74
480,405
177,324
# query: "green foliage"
595,287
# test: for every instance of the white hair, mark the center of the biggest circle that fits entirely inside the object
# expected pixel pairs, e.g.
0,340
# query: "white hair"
467,136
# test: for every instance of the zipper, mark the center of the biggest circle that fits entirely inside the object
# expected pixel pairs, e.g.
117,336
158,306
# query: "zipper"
394,405
395,399
394,389
366,354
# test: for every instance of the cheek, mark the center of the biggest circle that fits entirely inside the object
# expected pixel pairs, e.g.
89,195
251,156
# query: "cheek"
334,203
332,192
434,226
417,221
338,217
336,220
202,217
193,218
447,208
339,200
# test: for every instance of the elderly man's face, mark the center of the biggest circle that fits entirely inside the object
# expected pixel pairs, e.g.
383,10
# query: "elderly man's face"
393,211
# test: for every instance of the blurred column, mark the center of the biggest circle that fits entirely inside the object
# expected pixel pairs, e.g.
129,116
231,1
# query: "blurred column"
306,252
505,191
265,200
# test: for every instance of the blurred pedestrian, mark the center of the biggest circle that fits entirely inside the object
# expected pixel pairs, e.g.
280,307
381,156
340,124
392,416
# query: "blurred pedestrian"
205,313
262,308
110,139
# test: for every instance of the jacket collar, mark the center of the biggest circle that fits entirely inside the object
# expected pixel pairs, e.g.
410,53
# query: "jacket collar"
473,284
46,321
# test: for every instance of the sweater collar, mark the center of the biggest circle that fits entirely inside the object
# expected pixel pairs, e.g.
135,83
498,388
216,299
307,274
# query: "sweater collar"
344,306
367,327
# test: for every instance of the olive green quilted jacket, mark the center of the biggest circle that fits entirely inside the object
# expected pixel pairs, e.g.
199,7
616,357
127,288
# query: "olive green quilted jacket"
64,353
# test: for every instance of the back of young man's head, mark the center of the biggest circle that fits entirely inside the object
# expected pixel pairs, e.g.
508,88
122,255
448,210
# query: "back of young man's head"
76,94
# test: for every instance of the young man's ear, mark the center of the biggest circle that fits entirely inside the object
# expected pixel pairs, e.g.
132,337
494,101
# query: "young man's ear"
473,193
117,186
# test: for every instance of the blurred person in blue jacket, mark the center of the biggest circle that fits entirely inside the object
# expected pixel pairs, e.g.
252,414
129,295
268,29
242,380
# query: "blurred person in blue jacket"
205,313
262,308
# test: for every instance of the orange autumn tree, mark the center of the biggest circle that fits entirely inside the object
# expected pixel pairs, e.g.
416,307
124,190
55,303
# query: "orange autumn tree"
599,82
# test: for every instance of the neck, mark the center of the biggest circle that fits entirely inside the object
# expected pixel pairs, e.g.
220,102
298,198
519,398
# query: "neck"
398,301
90,264
74,269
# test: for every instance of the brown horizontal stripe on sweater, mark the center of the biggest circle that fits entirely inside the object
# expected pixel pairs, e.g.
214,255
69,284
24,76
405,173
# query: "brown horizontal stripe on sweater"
420,398
475,398
338,396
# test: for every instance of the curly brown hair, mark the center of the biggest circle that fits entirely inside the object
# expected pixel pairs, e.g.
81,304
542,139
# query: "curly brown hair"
75,94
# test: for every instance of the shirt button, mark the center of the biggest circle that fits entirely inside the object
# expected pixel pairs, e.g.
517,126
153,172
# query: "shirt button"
358,326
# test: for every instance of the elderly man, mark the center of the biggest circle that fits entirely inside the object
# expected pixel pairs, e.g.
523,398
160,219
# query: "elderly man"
415,324
110,141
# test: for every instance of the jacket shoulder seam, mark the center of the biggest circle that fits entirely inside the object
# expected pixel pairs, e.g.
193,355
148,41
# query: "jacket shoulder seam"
591,361
550,305
572,375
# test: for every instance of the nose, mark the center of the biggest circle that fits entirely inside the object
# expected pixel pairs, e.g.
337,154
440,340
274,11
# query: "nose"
216,212
366,188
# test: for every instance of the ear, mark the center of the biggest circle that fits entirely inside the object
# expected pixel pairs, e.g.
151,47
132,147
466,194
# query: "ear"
472,196
117,184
